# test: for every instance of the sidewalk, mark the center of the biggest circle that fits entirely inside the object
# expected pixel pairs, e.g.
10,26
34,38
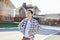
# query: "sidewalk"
9,29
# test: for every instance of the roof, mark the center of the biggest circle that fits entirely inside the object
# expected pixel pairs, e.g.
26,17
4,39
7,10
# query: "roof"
9,3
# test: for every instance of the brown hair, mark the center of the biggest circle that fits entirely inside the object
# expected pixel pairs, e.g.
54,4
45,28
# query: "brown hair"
31,11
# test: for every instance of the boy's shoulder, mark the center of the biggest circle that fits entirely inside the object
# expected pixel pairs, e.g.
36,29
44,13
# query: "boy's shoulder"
34,20
24,19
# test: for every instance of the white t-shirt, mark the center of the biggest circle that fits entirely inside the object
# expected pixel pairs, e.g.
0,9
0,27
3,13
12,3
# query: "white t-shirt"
27,29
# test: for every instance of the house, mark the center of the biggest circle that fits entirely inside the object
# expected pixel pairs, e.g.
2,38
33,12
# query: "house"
6,11
20,12
52,16
52,19
49,19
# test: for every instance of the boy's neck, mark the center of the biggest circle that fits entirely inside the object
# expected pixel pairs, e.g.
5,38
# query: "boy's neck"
29,19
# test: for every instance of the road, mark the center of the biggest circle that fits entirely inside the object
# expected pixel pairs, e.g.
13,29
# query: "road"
54,37
46,33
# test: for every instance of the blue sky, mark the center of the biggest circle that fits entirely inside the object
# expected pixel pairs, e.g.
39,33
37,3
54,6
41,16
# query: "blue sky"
46,6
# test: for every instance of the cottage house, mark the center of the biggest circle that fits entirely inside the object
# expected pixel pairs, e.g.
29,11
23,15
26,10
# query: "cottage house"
6,11
52,19
20,12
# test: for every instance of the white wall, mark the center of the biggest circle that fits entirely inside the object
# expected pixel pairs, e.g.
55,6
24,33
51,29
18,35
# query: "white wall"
52,16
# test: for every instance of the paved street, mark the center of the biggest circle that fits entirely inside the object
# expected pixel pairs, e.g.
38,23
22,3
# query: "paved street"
54,37
45,34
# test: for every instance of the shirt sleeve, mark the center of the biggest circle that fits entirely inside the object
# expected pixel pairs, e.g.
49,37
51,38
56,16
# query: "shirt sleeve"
21,26
38,27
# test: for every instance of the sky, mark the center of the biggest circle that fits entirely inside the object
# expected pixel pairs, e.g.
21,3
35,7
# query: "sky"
45,6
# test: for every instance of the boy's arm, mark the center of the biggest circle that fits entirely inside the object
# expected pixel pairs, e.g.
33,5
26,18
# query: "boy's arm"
38,27
21,26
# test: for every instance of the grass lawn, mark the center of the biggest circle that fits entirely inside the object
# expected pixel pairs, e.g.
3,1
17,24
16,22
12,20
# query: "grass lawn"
5,25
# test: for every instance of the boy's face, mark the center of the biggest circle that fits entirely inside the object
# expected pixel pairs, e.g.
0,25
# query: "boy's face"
28,14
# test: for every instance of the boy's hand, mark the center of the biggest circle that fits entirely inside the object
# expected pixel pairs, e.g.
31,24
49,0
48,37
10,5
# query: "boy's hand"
22,32
30,32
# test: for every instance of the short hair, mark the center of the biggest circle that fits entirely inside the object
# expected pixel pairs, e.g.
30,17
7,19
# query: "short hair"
31,11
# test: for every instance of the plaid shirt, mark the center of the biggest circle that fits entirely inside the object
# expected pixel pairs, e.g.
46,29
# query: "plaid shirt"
34,29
